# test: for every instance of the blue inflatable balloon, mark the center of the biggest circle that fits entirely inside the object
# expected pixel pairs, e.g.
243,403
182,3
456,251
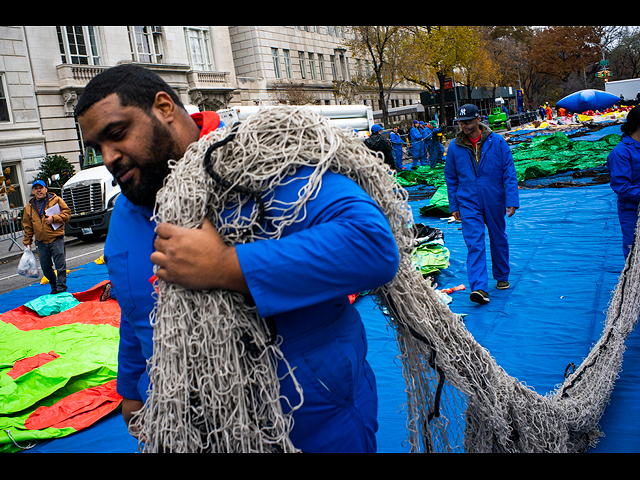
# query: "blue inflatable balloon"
585,100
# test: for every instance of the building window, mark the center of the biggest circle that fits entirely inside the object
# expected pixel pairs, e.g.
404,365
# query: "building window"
5,111
287,63
343,65
321,66
276,62
200,56
312,66
146,44
78,45
334,72
303,70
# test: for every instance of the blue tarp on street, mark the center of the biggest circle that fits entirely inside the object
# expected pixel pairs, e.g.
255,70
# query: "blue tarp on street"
565,258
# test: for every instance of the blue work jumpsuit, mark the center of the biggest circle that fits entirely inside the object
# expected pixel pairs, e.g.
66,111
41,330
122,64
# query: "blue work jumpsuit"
623,164
342,245
417,146
397,143
481,185
435,148
426,141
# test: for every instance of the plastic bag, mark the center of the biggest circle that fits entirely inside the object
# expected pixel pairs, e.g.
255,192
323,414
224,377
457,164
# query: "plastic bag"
28,266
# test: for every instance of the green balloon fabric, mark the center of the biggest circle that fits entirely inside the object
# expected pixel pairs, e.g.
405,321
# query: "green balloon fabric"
430,258
58,370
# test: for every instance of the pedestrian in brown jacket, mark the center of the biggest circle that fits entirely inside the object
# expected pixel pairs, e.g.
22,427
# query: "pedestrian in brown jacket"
43,220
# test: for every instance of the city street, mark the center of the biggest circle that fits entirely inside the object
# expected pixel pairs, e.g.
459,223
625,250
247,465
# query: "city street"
78,253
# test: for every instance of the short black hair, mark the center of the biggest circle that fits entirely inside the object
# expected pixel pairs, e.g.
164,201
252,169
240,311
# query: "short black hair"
633,121
134,84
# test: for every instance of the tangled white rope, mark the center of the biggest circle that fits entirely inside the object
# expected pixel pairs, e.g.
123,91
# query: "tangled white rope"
213,372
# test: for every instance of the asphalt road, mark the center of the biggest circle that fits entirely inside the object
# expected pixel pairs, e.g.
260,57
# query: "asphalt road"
78,253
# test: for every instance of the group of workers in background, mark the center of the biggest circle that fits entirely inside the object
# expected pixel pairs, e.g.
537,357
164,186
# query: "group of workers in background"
422,140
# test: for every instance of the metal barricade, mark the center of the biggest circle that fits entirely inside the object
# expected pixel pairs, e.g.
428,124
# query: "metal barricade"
11,227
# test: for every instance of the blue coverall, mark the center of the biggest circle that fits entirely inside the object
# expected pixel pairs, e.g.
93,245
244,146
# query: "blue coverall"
397,143
435,148
426,141
343,245
417,146
481,191
623,164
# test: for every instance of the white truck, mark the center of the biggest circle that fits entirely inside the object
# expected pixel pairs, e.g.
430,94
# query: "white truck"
350,117
628,88
91,195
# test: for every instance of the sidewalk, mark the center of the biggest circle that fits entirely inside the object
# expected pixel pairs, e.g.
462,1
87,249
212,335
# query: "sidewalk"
9,250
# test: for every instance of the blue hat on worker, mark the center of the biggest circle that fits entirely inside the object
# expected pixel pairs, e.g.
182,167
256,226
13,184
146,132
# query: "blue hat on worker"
376,128
38,182
467,112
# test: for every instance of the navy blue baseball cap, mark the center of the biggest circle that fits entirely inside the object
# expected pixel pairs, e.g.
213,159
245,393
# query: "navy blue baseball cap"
38,182
467,112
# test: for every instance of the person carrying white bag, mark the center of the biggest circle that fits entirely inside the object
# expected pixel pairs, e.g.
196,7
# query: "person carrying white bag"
44,218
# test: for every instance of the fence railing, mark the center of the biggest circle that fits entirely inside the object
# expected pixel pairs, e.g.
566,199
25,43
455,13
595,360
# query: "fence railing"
11,227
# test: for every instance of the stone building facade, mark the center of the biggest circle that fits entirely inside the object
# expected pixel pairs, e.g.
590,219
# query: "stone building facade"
44,69
22,141
270,59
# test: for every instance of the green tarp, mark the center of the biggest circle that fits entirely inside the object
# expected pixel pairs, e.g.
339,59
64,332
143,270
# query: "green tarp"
544,156
422,176
438,204
548,155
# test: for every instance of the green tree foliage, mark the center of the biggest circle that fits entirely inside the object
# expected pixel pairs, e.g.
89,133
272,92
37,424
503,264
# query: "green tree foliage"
55,165
434,51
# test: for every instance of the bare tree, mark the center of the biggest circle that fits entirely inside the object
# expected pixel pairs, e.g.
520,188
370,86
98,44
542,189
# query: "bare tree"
380,45
289,92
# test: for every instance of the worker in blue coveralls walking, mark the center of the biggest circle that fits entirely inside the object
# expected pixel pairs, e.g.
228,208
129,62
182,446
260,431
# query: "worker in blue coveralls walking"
397,143
623,164
417,149
426,141
482,187
434,146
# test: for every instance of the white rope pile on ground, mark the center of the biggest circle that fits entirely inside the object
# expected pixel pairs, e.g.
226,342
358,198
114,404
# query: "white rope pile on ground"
213,373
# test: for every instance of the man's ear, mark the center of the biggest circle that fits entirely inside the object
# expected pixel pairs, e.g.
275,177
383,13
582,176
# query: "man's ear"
164,106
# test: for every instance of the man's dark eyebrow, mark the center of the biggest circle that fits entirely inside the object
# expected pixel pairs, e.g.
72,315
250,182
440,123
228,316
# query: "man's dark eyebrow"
105,132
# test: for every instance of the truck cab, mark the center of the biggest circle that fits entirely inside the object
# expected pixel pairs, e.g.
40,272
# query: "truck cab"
91,195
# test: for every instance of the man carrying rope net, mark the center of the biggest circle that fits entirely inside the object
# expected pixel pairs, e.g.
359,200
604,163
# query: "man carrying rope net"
294,375
299,214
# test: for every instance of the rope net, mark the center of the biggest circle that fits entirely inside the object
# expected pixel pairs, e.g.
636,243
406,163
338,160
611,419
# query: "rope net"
213,377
